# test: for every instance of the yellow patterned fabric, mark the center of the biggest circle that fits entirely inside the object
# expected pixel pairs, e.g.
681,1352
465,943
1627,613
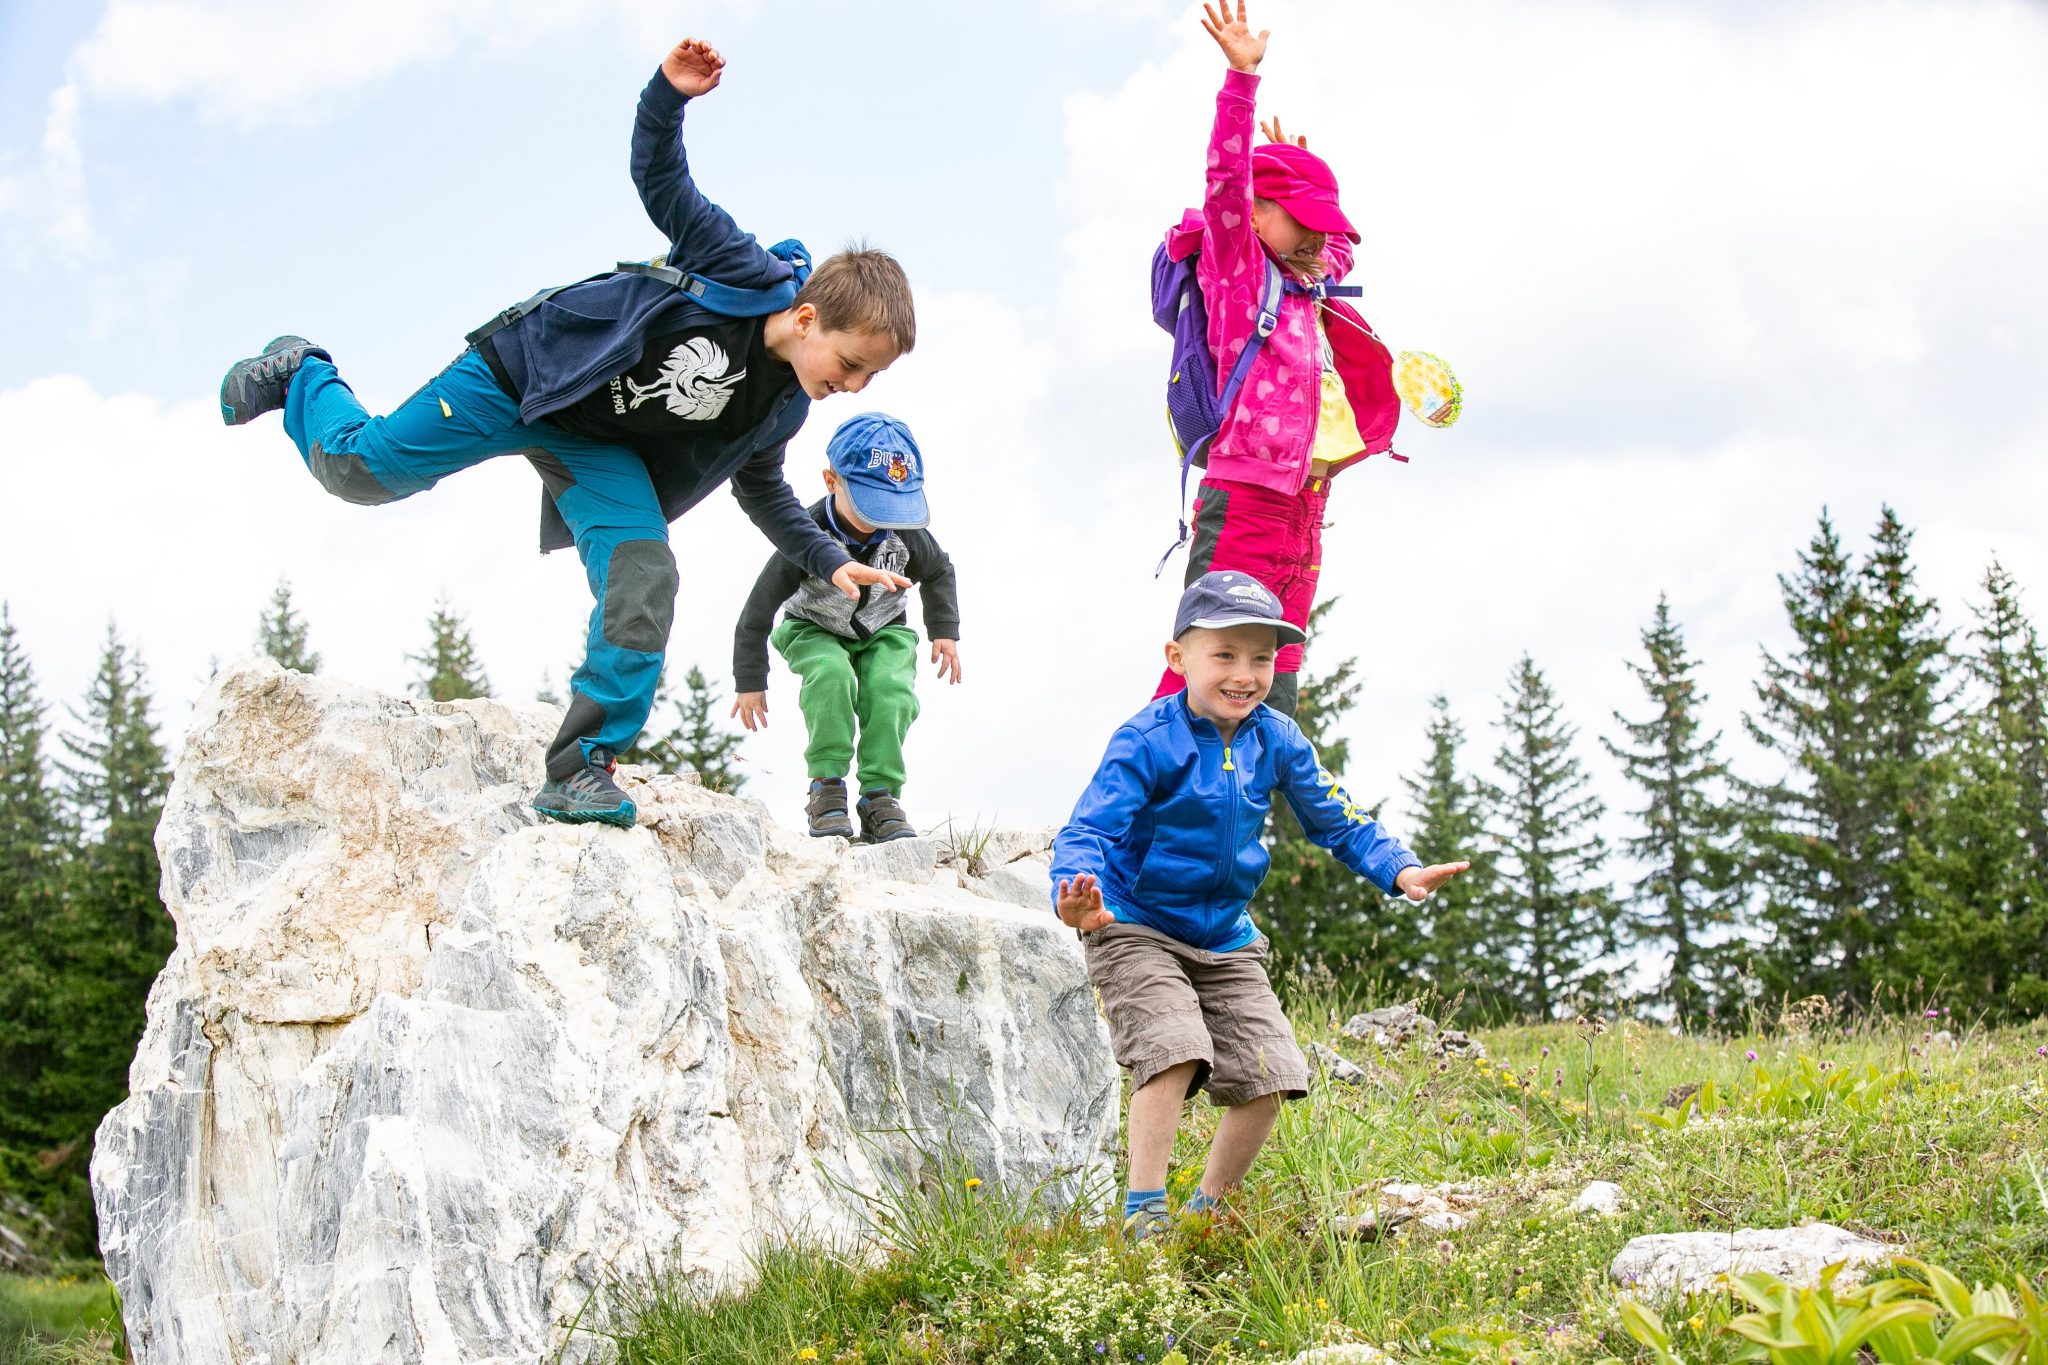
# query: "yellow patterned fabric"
1428,387
1337,437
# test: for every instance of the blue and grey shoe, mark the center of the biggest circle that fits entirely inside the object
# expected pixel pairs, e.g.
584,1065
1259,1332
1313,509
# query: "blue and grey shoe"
882,819
1149,1219
825,813
257,385
587,795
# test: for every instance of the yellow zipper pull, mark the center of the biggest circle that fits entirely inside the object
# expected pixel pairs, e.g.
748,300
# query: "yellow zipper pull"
1226,760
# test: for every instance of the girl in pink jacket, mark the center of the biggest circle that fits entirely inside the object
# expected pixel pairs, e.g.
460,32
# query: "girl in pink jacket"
1319,396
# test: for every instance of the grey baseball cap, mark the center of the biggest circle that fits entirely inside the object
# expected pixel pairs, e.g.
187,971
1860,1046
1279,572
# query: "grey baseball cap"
1220,599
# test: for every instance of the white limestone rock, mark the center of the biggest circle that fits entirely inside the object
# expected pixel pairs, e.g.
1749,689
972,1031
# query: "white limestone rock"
1669,1263
423,1072
1602,1198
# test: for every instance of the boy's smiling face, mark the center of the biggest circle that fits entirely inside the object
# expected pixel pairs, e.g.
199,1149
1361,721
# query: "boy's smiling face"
1229,671
826,361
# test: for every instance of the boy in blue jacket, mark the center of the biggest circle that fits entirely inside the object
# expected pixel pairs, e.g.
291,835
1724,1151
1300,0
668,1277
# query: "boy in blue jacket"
1155,869
634,394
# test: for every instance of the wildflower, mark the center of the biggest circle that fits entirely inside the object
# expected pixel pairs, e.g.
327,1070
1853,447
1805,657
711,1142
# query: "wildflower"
807,1353
1322,1305
1696,1322
2041,1051
1546,1050
973,1182
1932,1014
1750,1055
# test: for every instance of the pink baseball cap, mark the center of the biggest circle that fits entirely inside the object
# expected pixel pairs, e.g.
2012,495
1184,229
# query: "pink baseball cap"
1302,183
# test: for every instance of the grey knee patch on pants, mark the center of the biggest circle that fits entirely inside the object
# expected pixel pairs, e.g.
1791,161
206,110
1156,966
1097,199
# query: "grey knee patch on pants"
582,721
1286,692
640,596
347,477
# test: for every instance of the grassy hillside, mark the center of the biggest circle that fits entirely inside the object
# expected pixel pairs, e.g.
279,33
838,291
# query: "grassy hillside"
1886,1129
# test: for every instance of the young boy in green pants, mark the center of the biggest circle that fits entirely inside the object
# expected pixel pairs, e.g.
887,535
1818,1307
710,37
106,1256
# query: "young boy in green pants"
857,659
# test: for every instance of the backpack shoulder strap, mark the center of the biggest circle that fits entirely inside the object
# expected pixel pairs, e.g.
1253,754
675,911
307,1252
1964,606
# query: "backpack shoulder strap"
725,299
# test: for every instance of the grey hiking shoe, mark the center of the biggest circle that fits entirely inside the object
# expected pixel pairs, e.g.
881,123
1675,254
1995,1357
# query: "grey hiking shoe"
826,814
587,795
1150,1220
257,385
882,819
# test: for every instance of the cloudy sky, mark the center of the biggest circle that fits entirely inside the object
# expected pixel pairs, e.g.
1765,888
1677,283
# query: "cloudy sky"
1704,270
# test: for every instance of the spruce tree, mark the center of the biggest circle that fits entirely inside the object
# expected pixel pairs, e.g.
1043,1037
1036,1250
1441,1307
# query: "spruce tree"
1811,834
697,743
113,935
281,633
1690,885
1448,814
449,667
1983,881
1555,917
31,867
1311,907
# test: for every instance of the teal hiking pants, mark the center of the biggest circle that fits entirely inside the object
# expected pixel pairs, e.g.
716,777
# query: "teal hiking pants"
856,695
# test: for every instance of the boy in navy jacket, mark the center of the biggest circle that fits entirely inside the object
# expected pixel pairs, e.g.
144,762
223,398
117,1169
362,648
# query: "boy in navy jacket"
1157,864
633,397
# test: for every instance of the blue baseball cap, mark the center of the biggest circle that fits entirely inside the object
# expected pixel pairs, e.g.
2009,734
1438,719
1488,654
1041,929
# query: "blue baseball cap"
1220,599
877,457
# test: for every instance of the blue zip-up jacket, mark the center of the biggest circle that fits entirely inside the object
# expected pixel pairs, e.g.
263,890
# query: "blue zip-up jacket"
578,339
1170,824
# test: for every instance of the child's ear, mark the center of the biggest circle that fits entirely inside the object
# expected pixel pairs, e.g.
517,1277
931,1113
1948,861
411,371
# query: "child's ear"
1175,660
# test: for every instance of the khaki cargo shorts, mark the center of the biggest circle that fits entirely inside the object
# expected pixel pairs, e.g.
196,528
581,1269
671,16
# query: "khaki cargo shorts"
1170,1003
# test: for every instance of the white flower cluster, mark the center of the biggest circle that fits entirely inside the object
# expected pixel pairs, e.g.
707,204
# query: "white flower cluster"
1105,1305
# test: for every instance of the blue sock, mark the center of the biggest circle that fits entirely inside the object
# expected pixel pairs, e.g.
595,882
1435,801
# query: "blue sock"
1200,1203
1135,1199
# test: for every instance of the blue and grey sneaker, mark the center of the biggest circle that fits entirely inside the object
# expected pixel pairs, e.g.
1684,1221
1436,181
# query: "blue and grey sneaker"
587,795
825,813
1149,1219
882,819
257,385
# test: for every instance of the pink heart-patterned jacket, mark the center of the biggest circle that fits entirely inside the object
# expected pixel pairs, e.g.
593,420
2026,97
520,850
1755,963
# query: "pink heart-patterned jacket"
1266,438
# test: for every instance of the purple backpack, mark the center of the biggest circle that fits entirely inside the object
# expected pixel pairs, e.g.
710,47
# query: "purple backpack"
1196,403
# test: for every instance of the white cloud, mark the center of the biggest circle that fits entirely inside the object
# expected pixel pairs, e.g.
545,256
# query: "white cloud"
44,204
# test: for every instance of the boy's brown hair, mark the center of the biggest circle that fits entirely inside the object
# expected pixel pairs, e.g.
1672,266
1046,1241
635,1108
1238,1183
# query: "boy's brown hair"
861,289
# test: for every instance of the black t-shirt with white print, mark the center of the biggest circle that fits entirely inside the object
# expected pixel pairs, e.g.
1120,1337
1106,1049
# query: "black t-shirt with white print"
714,379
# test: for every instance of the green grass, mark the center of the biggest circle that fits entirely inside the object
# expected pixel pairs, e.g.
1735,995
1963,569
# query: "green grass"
1875,1127
45,1320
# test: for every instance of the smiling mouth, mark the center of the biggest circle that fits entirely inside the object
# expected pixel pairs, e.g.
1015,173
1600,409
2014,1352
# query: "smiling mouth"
1240,697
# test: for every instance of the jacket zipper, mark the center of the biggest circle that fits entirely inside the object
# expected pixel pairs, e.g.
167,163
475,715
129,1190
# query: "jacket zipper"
1230,838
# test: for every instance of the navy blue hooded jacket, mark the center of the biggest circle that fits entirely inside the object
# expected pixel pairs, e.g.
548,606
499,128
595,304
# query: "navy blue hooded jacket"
1170,824
580,337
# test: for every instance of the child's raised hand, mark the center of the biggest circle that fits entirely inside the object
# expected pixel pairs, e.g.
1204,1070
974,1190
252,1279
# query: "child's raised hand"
752,709
1242,48
849,576
693,67
1419,883
946,654
1271,128
1080,904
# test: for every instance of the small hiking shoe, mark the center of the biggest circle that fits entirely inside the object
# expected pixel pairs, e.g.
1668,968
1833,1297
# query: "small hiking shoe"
826,812
1149,1219
882,819
589,795
257,385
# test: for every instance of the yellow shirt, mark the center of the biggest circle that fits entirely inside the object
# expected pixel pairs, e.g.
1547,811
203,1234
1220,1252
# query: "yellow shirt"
1337,437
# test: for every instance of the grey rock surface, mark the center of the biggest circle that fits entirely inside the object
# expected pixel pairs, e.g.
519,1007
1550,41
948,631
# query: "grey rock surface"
424,1073
1690,1262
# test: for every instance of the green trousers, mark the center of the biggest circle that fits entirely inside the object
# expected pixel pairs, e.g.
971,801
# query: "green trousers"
853,683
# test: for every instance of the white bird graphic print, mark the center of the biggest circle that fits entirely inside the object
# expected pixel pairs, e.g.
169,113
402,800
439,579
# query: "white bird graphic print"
692,382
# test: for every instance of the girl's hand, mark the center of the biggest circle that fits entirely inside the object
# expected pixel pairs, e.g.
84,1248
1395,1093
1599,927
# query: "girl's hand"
1243,49
946,654
752,709
693,67
1271,128
1080,904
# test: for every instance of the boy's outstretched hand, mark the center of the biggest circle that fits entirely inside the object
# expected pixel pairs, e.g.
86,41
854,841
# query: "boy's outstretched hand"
752,709
1418,883
1242,48
946,654
1080,904
693,67
849,576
